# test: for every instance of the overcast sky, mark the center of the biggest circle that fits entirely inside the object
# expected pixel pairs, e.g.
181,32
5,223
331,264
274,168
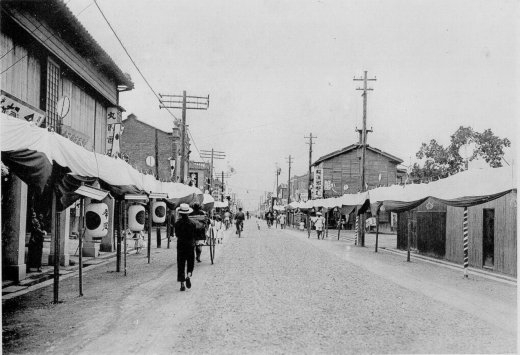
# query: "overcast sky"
279,70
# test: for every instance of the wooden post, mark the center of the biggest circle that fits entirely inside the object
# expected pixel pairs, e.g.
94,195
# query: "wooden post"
149,229
168,227
158,236
356,235
327,223
466,242
408,240
57,256
339,222
308,224
80,246
377,229
125,222
118,240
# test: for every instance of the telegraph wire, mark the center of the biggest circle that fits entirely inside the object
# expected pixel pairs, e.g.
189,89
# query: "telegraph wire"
131,59
139,70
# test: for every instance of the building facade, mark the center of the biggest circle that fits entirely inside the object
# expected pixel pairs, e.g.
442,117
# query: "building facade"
49,58
339,172
198,175
437,230
149,149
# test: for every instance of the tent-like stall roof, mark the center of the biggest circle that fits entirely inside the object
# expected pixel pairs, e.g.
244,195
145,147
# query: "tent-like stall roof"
47,160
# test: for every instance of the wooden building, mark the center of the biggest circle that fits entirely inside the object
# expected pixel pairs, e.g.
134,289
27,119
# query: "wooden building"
47,55
425,225
340,171
492,230
436,230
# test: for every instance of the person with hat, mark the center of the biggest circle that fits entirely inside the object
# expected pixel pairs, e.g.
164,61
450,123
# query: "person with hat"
319,224
185,230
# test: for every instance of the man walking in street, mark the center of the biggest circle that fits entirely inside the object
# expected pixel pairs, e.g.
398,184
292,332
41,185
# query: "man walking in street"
185,230
239,220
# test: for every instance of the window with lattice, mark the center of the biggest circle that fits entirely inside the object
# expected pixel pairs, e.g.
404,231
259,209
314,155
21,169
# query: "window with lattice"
53,85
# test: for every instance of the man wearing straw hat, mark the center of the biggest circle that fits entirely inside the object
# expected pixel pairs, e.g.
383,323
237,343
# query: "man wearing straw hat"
185,230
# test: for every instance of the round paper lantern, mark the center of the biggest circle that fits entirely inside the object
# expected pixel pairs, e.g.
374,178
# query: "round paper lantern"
136,218
159,211
96,220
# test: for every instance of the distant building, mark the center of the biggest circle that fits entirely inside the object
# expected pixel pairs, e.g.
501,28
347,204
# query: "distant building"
148,148
198,175
339,172
299,188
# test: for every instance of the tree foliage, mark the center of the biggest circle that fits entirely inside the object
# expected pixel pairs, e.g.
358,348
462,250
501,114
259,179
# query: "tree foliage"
439,161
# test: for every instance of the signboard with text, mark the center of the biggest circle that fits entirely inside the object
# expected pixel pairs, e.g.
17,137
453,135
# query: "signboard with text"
15,107
114,115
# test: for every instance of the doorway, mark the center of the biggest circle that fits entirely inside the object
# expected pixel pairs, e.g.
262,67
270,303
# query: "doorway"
488,238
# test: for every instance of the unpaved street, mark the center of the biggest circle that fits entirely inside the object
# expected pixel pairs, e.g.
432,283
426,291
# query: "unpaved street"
273,291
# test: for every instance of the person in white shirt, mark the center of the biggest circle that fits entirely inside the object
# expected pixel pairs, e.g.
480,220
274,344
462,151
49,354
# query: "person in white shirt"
319,224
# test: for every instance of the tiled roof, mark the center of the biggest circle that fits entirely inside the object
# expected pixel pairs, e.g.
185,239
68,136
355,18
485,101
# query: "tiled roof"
59,17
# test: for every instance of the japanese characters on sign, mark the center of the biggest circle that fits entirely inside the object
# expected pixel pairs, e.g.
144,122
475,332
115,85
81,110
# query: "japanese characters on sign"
318,182
12,106
114,115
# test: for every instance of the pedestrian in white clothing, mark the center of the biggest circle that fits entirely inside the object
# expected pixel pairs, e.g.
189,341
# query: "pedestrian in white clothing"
319,224
218,229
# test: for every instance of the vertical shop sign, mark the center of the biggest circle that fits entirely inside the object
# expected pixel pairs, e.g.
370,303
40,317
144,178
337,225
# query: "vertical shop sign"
114,115
318,182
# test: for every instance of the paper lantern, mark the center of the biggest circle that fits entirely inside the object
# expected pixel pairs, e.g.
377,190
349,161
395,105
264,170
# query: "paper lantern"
159,211
96,220
136,218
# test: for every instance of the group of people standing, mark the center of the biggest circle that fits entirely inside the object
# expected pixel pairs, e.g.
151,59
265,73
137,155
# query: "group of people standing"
279,218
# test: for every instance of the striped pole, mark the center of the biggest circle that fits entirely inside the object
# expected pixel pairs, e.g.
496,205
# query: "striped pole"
357,231
465,229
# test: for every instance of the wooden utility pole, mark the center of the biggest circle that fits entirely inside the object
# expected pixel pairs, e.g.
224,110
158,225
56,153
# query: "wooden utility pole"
278,171
365,88
181,102
309,189
290,161
213,154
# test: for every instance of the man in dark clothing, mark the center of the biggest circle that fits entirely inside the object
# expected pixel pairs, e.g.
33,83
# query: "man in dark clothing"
201,221
239,220
185,230
35,245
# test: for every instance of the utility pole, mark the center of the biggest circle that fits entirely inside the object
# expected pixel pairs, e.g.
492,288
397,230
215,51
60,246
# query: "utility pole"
290,161
181,102
213,154
278,171
363,142
309,189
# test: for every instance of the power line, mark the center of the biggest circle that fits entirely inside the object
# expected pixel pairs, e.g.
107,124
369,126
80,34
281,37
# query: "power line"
131,59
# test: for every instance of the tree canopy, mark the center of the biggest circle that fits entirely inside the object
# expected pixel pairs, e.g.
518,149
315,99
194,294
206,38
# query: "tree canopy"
439,161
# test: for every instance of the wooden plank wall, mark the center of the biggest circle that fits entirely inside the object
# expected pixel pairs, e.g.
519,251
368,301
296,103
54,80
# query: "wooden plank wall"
103,84
23,80
86,114
505,234
345,169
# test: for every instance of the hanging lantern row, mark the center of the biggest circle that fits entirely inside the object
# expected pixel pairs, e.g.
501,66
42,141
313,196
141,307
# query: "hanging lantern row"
96,220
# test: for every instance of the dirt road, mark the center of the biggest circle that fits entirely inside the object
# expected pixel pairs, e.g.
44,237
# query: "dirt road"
272,291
